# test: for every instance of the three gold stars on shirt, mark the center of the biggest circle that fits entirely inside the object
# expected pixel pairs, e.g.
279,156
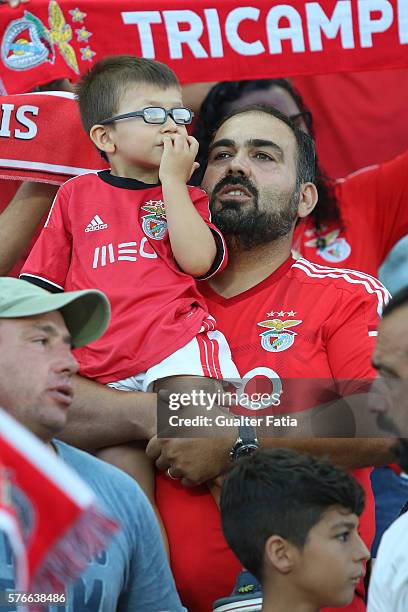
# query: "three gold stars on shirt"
281,313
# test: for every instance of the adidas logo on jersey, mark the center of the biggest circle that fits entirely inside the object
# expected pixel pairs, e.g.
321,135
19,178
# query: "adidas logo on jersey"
96,224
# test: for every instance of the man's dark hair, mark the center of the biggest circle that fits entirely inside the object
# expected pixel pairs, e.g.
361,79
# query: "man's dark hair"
398,300
280,492
306,155
100,90
217,105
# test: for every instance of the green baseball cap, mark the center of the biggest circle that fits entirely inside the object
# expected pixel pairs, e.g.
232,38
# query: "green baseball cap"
86,313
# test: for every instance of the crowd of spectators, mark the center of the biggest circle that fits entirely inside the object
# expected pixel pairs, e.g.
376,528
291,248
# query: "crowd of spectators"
247,517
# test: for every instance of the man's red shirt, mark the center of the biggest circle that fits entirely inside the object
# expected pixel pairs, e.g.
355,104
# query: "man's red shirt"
305,322
374,207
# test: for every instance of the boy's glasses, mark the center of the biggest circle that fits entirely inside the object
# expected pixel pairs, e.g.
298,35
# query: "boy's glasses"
156,115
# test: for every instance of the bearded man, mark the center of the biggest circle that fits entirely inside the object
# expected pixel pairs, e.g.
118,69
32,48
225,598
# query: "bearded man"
297,327
305,330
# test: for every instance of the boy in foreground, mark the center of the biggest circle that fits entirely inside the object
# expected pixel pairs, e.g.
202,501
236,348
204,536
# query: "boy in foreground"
292,521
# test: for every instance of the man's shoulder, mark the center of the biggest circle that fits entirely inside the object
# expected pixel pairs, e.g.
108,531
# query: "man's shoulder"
105,479
356,284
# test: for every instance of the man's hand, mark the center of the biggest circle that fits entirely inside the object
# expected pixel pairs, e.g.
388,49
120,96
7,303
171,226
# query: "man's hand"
193,460
177,162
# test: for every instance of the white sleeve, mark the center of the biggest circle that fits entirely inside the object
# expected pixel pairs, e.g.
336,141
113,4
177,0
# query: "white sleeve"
388,588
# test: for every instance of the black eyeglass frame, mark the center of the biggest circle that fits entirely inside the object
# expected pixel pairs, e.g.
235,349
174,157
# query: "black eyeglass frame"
141,114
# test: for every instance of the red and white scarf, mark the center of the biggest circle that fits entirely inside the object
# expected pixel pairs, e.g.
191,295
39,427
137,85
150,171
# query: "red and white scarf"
42,139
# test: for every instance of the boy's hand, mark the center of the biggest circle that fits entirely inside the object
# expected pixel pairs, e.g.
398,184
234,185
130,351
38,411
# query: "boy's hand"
178,157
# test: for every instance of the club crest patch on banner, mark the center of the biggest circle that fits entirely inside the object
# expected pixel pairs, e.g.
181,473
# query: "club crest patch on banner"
154,224
277,338
27,42
330,247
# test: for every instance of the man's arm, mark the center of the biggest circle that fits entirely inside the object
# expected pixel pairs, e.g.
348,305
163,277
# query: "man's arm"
382,195
19,221
345,452
101,416
319,431
197,460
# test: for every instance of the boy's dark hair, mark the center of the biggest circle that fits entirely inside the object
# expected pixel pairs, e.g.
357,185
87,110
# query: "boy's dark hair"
217,104
99,91
280,492
306,155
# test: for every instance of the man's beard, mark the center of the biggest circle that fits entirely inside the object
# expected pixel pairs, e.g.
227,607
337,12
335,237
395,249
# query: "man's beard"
248,224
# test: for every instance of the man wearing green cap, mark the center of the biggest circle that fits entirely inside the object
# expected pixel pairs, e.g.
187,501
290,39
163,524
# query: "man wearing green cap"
37,333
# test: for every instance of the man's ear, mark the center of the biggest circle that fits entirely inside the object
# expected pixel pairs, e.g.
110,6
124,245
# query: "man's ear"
307,199
279,554
101,137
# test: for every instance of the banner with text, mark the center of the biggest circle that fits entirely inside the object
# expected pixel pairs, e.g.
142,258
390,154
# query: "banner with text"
202,40
43,140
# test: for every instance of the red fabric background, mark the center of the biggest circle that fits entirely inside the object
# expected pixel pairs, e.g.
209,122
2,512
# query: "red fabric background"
360,118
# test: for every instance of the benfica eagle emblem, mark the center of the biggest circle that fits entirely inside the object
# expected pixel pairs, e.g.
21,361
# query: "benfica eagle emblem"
330,247
278,338
154,224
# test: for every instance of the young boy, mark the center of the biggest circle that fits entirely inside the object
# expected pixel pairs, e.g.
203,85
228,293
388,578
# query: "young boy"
292,521
142,236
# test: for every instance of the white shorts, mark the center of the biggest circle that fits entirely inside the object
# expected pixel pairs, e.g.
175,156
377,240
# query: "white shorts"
207,354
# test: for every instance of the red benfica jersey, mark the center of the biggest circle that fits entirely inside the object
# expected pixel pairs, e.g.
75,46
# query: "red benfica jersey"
374,207
304,322
110,233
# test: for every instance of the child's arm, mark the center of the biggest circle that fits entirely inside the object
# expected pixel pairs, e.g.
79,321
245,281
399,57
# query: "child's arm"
191,240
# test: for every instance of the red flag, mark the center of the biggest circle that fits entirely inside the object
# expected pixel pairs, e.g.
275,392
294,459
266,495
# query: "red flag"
49,511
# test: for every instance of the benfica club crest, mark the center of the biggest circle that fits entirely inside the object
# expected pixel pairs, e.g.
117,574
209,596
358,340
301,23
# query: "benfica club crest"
27,42
330,247
277,339
154,224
